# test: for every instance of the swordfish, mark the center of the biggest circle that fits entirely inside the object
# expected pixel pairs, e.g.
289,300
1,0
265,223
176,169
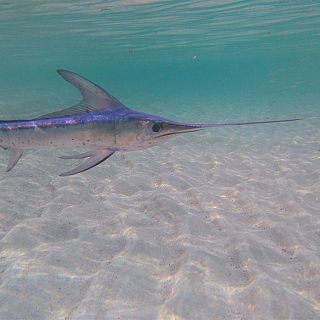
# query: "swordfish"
99,123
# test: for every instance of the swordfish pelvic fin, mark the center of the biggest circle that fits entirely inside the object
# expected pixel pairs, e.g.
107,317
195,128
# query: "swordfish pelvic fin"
93,160
94,98
14,157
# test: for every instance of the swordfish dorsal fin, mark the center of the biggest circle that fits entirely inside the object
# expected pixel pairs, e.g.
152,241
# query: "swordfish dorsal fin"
94,98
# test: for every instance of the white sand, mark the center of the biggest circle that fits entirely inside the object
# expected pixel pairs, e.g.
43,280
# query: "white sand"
214,225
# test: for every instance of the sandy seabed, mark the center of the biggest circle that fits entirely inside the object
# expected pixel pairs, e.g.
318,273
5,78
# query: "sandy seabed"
222,224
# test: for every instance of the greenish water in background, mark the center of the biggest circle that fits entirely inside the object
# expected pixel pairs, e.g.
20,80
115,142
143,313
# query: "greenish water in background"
190,60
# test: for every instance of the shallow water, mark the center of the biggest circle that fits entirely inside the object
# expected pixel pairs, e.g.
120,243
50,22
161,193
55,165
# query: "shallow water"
222,224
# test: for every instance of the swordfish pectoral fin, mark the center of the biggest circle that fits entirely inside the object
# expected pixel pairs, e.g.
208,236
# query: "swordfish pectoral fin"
14,156
93,160
78,156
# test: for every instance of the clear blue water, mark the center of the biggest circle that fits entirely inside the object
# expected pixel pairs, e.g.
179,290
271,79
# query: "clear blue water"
199,60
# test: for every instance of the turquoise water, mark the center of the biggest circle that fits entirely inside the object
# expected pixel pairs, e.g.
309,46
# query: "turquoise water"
201,59
217,224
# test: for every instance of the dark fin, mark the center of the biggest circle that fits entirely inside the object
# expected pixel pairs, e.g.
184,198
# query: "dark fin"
78,156
95,159
14,156
94,98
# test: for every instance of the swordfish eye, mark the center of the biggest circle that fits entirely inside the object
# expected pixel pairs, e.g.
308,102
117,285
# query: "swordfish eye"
157,127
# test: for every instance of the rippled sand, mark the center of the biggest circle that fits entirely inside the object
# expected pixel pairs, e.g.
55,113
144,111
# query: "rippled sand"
222,224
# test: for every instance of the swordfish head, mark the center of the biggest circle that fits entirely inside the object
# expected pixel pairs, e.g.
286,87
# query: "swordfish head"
139,131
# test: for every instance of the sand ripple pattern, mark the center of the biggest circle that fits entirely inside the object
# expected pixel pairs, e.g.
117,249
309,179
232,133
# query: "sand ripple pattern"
214,225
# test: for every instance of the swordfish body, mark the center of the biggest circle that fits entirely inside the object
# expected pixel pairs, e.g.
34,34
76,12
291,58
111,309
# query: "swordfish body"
99,123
